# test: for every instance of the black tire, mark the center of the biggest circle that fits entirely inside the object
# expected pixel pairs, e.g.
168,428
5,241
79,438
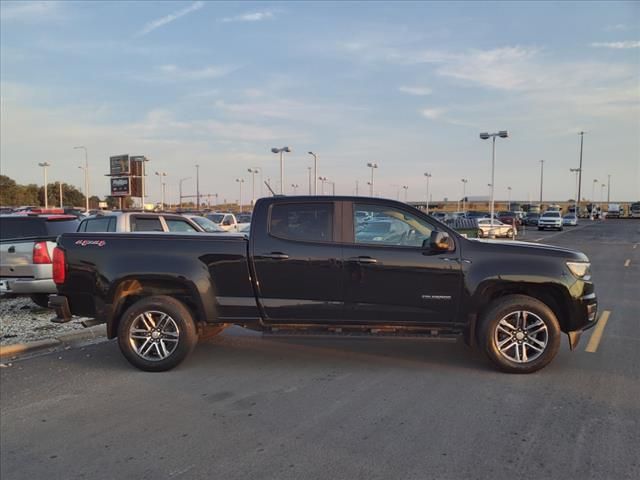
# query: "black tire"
40,299
184,331
206,332
505,308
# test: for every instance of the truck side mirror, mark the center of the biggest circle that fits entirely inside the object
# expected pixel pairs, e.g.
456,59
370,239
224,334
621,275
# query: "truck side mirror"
438,241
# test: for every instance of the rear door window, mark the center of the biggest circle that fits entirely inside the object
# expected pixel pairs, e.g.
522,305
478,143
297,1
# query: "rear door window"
309,222
103,224
177,225
146,224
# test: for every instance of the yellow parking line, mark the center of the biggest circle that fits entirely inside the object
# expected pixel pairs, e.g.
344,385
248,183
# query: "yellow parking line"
596,336
627,262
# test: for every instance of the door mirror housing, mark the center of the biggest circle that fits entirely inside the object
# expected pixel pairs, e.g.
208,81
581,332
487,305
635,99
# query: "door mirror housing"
437,242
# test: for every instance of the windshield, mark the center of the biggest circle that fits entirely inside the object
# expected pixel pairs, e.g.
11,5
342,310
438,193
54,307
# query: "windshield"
207,225
551,215
216,217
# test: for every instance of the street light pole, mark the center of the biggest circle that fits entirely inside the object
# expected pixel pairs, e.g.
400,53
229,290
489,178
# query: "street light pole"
240,182
406,189
608,188
86,174
579,175
180,188
576,171
315,173
44,166
372,166
428,176
541,179
198,186
464,195
60,186
486,136
322,181
161,175
509,198
295,188
253,172
281,151
309,177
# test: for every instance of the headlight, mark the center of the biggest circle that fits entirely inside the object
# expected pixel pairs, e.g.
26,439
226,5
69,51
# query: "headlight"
580,270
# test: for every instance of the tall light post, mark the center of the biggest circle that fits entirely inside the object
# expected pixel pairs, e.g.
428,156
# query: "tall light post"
295,188
464,194
577,172
44,166
86,174
608,188
486,136
60,187
144,180
428,177
161,175
372,166
180,188
579,175
541,180
253,172
406,190
370,185
315,173
281,151
240,182
322,182
198,186
309,177
602,187
593,190
509,198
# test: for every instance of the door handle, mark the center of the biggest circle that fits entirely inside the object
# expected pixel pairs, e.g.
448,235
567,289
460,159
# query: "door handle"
12,249
275,256
364,260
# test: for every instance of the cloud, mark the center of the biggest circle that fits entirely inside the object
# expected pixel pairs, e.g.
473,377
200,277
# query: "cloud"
419,91
162,21
433,113
620,27
175,73
617,45
250,17
29,11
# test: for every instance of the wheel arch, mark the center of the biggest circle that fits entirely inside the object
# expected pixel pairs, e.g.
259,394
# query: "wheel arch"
129,290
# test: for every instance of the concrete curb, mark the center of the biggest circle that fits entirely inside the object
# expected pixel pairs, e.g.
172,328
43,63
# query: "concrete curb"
91,333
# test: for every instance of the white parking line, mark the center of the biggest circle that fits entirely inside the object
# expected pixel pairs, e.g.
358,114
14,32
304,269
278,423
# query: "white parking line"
627,262
596,336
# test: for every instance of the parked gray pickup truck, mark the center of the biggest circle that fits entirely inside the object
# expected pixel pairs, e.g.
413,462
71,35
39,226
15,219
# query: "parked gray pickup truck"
26,250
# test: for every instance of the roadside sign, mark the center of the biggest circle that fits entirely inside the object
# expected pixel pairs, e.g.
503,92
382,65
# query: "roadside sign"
120,186
120,165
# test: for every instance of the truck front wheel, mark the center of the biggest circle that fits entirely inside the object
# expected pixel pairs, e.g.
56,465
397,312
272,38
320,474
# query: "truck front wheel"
157,333
520,334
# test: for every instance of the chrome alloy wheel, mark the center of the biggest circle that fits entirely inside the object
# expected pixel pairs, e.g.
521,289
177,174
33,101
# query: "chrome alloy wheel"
521,336
154,335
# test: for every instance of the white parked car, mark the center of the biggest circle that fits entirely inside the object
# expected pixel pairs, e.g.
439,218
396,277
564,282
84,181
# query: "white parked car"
550,219
497,228
226,221
570,220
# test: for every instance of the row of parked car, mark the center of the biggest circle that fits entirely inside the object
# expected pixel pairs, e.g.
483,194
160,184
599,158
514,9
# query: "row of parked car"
27,239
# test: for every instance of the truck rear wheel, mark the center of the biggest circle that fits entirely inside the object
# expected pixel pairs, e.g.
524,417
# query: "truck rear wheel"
519,334
157,333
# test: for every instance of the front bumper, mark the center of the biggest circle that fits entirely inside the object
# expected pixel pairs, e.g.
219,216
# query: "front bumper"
586,317
26,286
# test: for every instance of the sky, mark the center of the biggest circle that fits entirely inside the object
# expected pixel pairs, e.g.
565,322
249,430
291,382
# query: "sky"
408,86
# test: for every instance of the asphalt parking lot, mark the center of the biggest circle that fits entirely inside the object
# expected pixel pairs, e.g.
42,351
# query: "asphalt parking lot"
251,407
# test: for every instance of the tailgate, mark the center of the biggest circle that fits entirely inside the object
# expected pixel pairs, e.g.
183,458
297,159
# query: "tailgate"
16,259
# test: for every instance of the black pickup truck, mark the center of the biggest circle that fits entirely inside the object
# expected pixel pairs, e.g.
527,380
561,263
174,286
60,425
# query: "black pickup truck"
330,265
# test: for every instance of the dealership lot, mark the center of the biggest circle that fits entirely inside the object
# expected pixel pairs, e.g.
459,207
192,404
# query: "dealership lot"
248,406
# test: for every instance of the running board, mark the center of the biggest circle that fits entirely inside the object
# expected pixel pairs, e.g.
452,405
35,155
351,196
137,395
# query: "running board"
429,334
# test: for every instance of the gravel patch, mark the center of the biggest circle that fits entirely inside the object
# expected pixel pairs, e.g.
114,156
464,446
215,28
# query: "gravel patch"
21,321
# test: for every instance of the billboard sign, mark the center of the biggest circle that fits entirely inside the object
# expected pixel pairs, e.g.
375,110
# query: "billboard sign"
120,186
120,165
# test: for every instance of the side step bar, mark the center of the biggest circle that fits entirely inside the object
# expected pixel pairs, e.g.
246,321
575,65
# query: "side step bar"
429,334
